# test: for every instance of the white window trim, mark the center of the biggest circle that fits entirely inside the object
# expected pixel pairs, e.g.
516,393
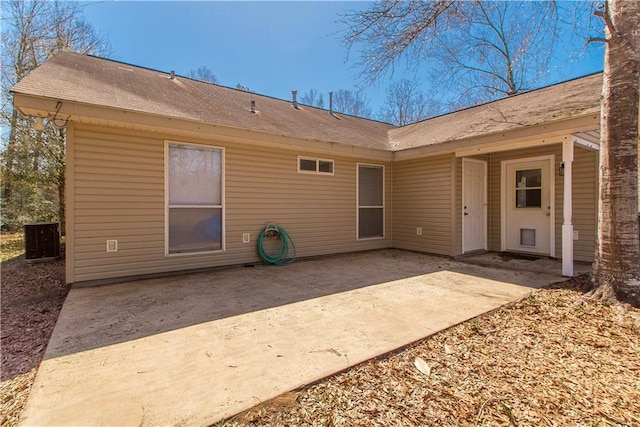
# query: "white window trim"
539,187
384,210
317,160
166,200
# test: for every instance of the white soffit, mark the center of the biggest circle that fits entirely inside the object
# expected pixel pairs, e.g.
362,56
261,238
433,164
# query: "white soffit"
505,146
589,139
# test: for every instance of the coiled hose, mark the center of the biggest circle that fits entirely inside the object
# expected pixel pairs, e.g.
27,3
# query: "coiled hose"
279,257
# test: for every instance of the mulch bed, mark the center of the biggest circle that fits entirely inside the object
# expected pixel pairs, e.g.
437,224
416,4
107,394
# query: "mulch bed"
31,299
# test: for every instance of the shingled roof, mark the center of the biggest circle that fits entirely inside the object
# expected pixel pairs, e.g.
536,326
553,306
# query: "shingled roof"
549,104
96,81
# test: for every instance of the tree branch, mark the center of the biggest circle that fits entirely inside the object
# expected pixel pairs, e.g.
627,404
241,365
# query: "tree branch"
597,40
606,17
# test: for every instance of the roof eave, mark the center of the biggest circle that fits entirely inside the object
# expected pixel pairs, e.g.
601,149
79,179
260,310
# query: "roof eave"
524,137
77,112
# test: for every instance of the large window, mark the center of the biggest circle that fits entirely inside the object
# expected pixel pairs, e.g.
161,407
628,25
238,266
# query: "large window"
370,201
194,216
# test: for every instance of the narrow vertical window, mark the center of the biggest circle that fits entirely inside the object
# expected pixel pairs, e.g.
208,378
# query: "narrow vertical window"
370,201
194,199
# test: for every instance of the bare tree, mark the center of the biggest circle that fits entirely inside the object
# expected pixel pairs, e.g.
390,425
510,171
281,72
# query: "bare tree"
351,102
204,74
499,53
480,49
405,104
34,160
616,271
313,98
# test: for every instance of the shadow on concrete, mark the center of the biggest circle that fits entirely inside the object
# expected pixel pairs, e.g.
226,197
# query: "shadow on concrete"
106,315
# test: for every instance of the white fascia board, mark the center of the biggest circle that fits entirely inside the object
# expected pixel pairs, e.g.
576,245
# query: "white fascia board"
585,143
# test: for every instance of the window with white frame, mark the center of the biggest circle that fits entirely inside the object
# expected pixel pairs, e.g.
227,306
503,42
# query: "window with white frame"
370,201
314,165
529,188
194,198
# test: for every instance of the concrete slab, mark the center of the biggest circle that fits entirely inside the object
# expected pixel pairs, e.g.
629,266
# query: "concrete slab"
194,349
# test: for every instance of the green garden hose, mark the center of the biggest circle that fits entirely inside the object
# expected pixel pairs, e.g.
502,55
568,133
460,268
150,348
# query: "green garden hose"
279,257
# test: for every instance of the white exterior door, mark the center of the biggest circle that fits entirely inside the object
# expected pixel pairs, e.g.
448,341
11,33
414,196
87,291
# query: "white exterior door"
474,205
528,206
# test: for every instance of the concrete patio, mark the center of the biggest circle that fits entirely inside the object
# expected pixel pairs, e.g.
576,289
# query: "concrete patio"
194,349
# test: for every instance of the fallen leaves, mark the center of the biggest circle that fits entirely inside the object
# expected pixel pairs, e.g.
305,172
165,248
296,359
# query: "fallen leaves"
32,296
14,394
422,366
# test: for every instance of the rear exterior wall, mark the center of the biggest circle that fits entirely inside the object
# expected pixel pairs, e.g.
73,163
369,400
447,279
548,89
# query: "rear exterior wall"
116,191
584,191
428,195
423,204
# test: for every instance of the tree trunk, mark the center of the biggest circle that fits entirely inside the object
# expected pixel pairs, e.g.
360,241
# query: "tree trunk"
616,270
9,159
61,165
61,202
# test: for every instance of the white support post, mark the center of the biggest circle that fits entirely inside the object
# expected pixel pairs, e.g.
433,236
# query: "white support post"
567,209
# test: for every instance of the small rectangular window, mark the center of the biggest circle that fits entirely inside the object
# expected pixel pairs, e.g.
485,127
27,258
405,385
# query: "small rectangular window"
307,165
529,188
314,165
325,166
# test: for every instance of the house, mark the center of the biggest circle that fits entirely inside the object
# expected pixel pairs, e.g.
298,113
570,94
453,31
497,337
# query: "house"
166,174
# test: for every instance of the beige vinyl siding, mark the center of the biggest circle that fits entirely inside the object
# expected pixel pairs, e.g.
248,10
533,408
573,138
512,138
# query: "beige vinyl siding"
585,200
584,197
422,190
118,193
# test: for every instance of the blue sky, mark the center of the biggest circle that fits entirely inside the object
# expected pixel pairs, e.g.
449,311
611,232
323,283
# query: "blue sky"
270,47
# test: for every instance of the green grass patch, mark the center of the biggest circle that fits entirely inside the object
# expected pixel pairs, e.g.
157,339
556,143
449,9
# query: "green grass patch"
11,245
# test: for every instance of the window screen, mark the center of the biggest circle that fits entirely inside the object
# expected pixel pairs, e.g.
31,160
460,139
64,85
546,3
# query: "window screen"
194,202
370,201
307,165
325,166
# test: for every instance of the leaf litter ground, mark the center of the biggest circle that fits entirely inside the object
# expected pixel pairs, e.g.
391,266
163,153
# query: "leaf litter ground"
31,296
